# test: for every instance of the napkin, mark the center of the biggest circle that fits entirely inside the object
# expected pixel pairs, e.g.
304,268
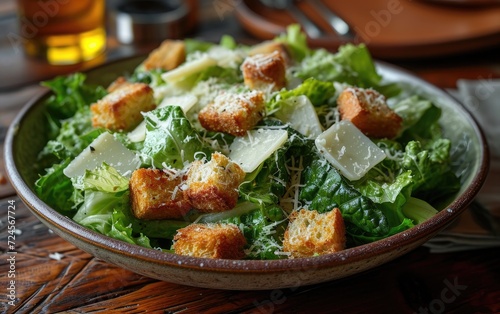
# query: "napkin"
479,226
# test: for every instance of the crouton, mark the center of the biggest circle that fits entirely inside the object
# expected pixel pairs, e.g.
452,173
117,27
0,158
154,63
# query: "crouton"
368,111
121,109
270,46
264,71
213,186
310,233
169,55
234,114
210,240
156,195
118,83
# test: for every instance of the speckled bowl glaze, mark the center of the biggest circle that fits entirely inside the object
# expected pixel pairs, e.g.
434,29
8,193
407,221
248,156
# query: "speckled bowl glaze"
27,136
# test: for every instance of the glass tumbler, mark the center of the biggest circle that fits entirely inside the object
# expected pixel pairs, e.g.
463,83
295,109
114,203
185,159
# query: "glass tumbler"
62,31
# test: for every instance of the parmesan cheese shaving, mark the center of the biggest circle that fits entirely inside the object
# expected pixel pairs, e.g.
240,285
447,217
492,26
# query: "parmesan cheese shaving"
349,150
301,115
105,148
187,69
251,150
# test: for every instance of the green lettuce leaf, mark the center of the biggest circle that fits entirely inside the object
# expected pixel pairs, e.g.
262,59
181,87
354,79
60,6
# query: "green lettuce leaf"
352,65
75,134
418,210
223,75
386,180
171,139
151,77
430,168
381,190
104,179
56,189
366,221
193,45
324,189
420,119
264,236
71,94
318,92
296,41
227,41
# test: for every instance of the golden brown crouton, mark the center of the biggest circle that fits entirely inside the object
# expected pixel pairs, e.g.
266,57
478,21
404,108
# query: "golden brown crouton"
310,233
121,109
156,195
213,186
118,83
270,46
262,71
368,111
234,114
169,55
210,240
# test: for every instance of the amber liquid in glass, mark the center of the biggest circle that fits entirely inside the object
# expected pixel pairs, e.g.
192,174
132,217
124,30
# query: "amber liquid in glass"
63,31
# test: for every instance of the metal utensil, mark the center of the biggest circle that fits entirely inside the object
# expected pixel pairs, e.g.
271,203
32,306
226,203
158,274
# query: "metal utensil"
336,22
309,27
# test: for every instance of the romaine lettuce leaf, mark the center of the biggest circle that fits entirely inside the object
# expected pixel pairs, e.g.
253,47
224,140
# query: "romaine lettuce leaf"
170,139
70,132
386,180
430,167
381,189
324,189
416,170
420,119
318,92
418,210
74,135
365,220
56,189
223,75
104,179
71,94
296,42
106,213
227,41
351,65
264,236
193,45
151,77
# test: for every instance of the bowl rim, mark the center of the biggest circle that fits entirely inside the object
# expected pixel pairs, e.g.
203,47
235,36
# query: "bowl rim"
422,232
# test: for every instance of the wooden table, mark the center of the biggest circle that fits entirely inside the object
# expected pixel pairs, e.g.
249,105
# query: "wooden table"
53,276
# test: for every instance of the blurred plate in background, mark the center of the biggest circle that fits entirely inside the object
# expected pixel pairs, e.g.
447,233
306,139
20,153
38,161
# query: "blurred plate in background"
392,29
